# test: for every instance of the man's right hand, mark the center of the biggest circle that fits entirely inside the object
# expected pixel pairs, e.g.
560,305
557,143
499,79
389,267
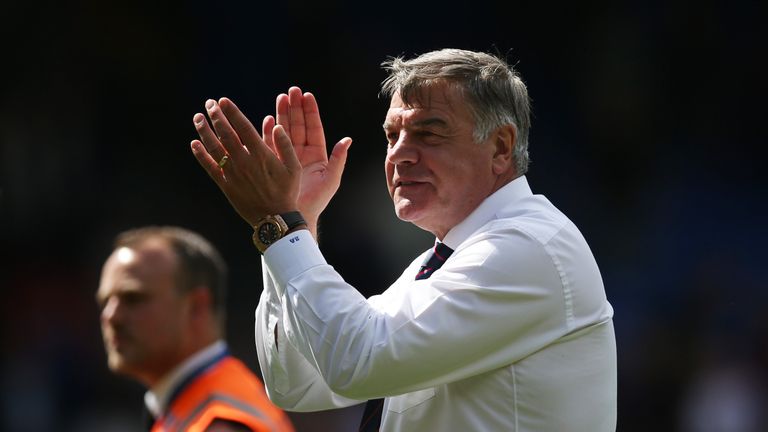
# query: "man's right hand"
299,115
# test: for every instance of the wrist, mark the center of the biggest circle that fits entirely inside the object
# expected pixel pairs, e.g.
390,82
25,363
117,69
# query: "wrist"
298,227
312,228
272,228
311,220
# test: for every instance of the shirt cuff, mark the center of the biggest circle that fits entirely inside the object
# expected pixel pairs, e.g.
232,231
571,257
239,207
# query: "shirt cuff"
291,256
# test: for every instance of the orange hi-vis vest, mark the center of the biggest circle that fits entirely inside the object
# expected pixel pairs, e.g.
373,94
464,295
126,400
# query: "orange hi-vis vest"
225,390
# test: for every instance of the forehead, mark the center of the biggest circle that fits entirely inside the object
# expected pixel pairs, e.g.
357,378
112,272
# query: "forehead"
444,102
137,268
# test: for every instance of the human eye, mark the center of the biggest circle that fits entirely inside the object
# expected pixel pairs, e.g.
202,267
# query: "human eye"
101,302
392,136
428,136
132,298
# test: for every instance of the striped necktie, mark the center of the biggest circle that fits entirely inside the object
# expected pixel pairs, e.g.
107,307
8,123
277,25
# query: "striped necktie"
434,260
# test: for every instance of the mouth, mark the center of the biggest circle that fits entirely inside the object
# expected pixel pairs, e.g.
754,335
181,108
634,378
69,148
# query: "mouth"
403,183
115,341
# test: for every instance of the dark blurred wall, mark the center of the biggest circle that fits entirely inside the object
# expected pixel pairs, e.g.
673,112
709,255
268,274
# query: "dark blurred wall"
646,132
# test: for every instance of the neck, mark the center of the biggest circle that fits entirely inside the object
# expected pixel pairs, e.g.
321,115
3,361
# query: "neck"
500,181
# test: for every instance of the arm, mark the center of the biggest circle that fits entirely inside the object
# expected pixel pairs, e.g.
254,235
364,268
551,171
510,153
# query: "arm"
266,176
291,381
500,295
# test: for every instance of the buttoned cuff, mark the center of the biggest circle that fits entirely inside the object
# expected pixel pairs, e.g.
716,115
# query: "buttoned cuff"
291,256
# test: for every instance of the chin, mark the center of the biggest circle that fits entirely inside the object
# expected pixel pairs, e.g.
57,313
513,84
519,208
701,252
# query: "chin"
411,214
116,364
406,212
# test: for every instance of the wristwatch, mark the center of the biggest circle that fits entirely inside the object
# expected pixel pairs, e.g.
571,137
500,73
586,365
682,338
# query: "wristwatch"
274,227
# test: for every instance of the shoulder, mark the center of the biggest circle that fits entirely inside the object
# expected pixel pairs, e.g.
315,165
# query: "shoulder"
234,399
233,376
528,241
535,216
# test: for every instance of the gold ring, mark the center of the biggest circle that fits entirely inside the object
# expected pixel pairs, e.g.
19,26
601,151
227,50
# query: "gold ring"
223,161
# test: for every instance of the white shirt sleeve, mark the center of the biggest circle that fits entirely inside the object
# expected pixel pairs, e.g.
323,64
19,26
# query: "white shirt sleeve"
499,298
291,382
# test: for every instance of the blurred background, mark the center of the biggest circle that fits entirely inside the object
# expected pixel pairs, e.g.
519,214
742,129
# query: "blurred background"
648,131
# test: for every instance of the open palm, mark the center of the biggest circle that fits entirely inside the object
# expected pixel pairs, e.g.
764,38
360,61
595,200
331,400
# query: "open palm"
298,113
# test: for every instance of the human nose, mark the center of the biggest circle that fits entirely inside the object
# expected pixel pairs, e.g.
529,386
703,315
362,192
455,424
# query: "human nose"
402,151
110,312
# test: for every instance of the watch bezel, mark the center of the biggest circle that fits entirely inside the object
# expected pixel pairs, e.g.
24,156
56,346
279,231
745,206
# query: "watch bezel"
276,220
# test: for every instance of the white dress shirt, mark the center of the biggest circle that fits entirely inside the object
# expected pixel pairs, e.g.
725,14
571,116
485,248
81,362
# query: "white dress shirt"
513,333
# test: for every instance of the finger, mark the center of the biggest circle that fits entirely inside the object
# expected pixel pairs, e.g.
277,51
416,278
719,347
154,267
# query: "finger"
208,163
266,132
248,135
298,127
314,127
338,158
209,139
283,112
285,149
227,135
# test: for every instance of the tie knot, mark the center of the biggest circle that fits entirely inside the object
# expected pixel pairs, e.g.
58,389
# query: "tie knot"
442,251
434,260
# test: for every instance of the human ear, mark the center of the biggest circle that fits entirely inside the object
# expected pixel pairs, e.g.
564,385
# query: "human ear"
504,139
200,302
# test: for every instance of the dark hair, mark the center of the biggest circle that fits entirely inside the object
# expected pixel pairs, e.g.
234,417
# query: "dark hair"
200,264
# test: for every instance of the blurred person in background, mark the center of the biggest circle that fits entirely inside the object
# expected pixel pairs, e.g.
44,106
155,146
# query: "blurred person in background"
161,296
502,325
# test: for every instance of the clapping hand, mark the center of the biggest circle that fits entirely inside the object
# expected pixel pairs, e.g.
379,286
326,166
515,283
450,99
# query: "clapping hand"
257,178
299,115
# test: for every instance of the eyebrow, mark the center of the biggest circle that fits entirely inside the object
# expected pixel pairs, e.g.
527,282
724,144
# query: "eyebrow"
101,299
126,288
430,121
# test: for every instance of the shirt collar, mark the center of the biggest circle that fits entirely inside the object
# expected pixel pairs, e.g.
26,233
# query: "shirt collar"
507,194
156,399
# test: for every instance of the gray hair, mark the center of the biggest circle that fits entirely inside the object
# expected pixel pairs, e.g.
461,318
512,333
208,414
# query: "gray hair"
495,93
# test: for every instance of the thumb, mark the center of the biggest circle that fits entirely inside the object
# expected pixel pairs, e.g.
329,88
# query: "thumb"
284,149
339,157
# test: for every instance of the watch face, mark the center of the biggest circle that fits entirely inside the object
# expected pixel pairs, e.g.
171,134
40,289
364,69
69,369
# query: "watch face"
269,232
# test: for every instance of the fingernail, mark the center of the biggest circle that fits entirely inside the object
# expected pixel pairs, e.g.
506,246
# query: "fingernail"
198,118
209,103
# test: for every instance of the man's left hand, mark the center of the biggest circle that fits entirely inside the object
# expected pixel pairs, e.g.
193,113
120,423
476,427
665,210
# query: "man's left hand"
256,180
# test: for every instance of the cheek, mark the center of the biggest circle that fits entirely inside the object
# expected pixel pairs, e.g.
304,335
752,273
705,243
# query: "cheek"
389,172
476,165
461,179
150,321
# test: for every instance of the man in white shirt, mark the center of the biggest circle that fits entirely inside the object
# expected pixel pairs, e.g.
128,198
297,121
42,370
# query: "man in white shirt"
504,326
